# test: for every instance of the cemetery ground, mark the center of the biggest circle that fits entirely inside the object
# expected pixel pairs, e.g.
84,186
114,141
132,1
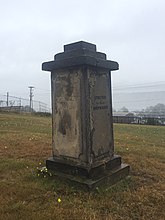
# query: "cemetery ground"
25,144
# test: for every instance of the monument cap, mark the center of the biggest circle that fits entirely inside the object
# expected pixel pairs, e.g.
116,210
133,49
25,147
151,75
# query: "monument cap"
80,45
77,54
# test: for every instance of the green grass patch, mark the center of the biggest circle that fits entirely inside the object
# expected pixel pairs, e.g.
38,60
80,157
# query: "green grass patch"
25,144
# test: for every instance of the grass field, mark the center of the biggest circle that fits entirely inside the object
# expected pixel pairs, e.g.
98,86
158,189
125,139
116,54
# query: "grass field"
25,144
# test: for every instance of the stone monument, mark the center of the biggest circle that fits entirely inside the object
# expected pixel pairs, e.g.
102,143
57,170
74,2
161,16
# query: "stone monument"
82,123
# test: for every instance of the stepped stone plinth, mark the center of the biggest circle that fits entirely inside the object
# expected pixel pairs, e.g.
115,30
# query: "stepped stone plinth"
82,123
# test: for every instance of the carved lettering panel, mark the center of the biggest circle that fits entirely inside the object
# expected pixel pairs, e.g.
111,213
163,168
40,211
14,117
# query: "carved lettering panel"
101,131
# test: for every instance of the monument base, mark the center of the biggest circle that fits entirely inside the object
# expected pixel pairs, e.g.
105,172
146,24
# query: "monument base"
89,177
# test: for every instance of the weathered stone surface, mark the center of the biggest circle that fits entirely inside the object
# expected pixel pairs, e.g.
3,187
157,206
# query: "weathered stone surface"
100,113
66,113
92,171
108,177
82,118
77,54
82,126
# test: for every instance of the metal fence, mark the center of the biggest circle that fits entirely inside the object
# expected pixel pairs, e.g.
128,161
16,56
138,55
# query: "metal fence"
145,120
19,104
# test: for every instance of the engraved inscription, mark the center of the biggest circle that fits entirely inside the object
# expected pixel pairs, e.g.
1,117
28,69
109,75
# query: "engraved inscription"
101,132
100,102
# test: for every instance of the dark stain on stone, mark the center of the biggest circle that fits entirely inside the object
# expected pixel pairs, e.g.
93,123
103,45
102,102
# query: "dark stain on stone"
65,123
69,88
75,130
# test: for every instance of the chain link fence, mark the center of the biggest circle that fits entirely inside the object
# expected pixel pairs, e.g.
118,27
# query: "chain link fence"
19,104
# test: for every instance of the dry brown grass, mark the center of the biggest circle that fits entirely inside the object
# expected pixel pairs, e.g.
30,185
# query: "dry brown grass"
25,144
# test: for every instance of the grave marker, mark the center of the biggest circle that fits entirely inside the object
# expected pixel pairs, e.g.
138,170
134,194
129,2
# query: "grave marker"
82,123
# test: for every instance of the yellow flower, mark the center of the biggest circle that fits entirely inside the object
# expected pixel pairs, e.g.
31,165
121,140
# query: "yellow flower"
59,200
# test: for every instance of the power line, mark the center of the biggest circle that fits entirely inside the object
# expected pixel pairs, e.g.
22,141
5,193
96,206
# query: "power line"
144,85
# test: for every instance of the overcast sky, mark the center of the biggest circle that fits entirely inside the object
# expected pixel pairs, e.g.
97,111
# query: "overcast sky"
131,32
